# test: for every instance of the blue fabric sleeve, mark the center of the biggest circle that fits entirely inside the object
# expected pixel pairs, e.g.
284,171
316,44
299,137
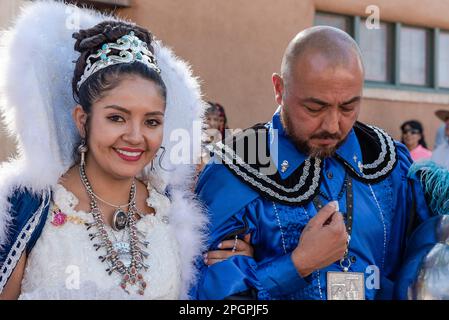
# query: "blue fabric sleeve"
23,205
238,274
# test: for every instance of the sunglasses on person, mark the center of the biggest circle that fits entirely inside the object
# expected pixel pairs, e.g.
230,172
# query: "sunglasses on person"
412,131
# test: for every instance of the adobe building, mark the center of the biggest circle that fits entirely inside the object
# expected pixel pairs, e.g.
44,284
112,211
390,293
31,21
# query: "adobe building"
234,46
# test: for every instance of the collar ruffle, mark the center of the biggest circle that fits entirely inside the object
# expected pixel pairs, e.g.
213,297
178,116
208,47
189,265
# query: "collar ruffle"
368,154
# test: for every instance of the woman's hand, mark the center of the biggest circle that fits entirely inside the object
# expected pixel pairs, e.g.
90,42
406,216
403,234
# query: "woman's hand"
229,248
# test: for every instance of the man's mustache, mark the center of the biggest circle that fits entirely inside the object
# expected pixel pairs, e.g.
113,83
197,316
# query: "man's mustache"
326,135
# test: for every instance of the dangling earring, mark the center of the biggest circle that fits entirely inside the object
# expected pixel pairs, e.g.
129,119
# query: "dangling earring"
160,158
82,149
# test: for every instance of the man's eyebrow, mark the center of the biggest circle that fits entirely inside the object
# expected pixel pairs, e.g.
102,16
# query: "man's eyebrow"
326,104
355,99
317,101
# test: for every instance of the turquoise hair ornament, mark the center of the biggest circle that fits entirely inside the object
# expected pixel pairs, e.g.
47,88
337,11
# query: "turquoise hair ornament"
131,49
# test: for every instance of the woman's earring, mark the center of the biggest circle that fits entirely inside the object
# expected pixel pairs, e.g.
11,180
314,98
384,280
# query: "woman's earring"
162,155
160,158
82,149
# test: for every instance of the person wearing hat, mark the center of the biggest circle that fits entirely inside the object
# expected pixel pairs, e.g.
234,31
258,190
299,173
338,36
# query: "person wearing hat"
441,136
441,153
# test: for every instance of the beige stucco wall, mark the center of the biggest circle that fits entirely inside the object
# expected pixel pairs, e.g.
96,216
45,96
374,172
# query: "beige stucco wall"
8,10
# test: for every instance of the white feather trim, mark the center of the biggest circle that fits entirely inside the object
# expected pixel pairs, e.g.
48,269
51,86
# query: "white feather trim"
36,103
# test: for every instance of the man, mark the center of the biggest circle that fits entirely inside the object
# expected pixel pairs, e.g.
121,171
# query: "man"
321,162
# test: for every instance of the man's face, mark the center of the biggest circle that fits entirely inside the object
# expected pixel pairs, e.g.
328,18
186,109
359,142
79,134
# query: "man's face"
320,102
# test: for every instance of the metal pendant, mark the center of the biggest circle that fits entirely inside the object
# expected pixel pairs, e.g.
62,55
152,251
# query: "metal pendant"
345,286
123,250
119,220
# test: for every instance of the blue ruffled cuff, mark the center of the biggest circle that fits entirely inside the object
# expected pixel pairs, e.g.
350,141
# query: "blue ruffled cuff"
279,277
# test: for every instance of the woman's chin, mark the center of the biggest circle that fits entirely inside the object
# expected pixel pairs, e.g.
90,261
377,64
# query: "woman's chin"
124,173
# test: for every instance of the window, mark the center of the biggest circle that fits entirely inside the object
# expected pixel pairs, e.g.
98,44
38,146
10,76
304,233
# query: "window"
443,60
398,56
414,66
334,20
377,49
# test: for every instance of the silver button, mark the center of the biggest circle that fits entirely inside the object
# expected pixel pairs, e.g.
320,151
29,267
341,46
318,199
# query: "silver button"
284,166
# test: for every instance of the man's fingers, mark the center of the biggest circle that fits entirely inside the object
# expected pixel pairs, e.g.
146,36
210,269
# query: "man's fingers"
337,219
324,214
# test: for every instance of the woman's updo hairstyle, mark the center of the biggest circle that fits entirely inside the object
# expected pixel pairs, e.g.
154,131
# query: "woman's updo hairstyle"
88,42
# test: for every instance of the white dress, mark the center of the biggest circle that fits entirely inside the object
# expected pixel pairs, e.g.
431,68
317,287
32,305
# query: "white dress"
64,264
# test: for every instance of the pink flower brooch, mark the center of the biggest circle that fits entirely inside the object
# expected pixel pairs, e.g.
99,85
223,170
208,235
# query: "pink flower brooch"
59,217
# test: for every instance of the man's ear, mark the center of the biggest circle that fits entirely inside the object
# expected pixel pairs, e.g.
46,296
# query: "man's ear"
80,118
278,85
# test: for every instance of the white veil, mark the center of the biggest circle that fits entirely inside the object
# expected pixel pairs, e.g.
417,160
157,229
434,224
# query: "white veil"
36,68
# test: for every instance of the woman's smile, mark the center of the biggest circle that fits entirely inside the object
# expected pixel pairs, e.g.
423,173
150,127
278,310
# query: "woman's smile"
129,154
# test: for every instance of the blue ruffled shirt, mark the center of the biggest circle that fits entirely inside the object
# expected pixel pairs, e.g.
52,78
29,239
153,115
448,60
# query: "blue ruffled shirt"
380,219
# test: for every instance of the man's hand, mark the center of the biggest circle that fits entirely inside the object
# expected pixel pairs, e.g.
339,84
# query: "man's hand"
323,241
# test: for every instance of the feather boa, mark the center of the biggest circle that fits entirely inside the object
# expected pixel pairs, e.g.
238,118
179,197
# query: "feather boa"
435,181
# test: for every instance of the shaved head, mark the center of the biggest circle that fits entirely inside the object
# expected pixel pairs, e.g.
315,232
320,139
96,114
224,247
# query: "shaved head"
319,89
332,44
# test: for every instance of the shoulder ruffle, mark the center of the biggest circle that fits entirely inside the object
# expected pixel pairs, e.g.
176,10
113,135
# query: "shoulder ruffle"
247,156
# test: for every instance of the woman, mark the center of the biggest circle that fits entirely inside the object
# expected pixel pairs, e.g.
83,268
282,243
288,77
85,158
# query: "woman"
105,222
413,138
216,122
220,122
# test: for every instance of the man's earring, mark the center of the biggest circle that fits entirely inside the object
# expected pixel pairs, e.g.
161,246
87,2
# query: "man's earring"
82,149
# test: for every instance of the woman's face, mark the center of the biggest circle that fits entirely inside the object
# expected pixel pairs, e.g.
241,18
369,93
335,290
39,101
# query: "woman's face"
125,128
411,137
213,120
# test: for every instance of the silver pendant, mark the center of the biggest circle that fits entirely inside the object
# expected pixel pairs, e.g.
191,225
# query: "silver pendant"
119,220
345,286
123,250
